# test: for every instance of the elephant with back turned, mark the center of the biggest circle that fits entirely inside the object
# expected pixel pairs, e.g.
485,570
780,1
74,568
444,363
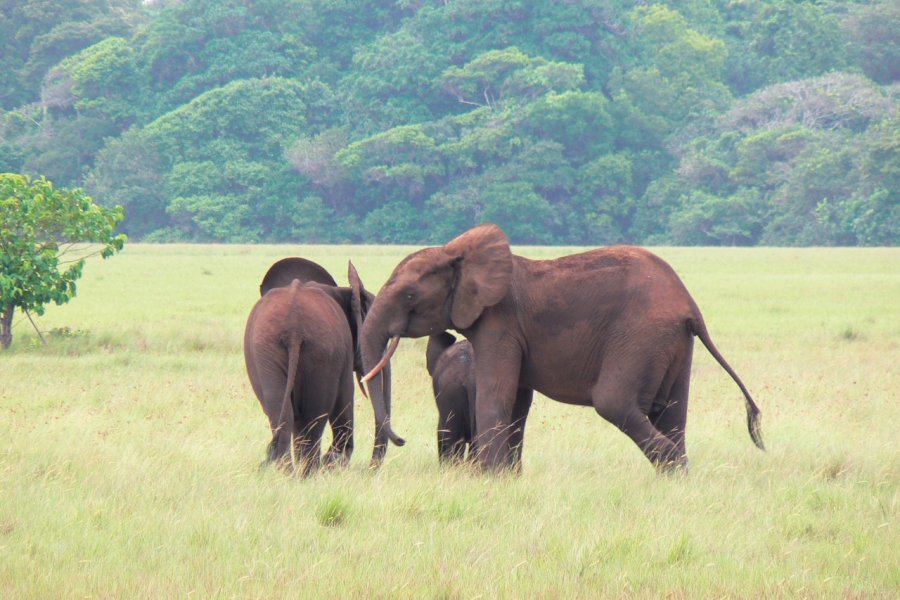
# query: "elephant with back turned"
611,328
301,350
451,365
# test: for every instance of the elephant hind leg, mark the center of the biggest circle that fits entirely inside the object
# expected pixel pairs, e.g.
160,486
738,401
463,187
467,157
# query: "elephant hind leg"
670,415
281,424
309,443
341,438
623,409
657,447
341,420
278,451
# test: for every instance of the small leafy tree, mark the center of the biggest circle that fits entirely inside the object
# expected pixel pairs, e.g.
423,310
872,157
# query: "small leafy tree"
44,234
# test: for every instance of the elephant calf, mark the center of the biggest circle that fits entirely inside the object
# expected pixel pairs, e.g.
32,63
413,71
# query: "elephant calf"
452,369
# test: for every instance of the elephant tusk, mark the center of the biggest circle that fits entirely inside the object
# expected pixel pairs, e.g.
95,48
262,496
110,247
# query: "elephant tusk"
362,388
395,341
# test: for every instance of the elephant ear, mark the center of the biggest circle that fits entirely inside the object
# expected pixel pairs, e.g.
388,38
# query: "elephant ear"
484,268
283,272
359,298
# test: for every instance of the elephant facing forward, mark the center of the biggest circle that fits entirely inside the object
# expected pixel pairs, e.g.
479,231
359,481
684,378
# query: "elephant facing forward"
451,365
611,328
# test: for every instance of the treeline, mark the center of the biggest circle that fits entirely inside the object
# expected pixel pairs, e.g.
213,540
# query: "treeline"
578,122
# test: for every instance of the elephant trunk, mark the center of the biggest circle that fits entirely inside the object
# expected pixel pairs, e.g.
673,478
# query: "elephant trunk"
378,381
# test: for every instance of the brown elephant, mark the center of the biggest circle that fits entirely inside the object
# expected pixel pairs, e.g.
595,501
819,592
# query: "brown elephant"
301,349
611,328
451,365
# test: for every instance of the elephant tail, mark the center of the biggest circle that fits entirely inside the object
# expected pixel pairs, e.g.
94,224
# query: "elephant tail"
292,344
698,328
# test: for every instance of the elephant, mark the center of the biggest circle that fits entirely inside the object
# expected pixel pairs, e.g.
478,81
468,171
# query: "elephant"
301,307
451,365
612,328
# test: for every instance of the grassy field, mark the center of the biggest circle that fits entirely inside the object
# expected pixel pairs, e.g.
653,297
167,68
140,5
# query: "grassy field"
129,449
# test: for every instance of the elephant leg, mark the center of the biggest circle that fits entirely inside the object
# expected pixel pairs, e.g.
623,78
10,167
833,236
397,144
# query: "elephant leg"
278,451
493,418
658,448
471,429
625,400
496,384
341,438
671,416
272,398
309,443
451,436
453,420
318,390
524,397
341,420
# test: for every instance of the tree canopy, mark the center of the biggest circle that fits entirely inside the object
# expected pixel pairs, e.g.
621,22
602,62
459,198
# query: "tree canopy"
44,232
400,121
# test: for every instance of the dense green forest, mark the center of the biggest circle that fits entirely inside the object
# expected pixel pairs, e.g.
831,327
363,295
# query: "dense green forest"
406,121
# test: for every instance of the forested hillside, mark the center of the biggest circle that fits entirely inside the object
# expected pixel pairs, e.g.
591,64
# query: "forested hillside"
574,121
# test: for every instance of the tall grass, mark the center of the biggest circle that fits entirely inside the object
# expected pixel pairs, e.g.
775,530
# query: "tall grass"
129,449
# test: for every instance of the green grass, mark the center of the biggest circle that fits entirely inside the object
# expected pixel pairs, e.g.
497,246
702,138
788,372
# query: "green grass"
129,449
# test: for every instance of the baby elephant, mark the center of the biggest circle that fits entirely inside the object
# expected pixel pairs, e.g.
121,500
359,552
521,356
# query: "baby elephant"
452,369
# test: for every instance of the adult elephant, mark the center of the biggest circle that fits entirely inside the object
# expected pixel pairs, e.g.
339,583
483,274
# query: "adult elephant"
451,365
611,328
275,321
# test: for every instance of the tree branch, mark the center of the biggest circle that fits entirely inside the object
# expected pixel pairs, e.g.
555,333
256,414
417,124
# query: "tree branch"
33,324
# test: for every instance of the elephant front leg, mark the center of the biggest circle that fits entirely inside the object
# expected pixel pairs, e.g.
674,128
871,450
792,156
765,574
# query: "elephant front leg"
497,384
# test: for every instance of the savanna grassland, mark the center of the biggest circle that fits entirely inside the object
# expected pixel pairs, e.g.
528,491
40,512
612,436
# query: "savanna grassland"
129,448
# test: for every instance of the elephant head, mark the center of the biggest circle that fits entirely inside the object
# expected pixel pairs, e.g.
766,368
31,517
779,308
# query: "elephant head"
355,300
430,291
